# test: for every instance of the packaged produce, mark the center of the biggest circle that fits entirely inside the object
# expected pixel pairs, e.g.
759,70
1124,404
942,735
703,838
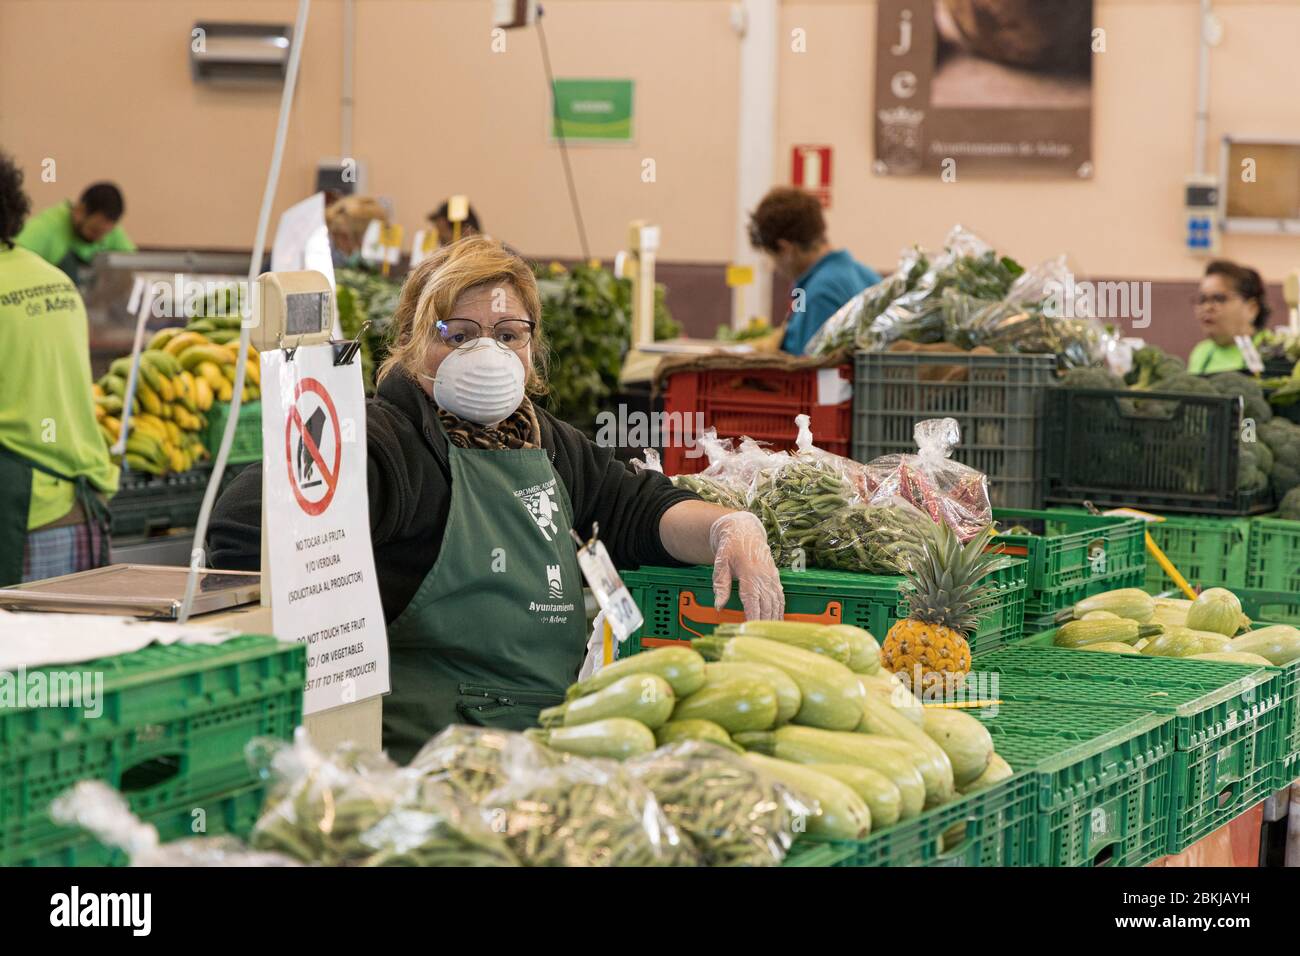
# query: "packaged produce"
104,813
357,808
731,812
584,813
865,538
474,761
931,481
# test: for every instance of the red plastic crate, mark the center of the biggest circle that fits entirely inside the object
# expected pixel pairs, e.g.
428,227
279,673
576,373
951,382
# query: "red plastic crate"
758,403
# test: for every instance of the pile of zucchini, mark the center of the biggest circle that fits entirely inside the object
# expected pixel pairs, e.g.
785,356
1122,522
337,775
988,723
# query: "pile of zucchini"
808,707
1210,628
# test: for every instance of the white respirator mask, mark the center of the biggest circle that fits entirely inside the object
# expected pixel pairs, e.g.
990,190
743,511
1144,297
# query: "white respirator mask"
481,383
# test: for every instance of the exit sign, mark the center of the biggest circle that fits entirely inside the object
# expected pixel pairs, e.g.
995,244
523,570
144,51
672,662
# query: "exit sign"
811,170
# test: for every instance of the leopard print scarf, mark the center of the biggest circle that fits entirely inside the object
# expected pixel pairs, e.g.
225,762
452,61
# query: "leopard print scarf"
520,430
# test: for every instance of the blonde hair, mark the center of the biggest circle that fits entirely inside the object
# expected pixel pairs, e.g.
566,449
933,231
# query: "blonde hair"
349,217
431,291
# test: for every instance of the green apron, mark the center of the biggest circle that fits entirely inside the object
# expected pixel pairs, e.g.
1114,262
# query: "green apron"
15,502
497,630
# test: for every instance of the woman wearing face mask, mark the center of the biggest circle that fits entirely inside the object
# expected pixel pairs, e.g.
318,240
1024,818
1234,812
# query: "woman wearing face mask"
473,491
1231,303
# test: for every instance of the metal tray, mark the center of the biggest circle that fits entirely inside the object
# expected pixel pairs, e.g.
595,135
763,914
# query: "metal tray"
137,590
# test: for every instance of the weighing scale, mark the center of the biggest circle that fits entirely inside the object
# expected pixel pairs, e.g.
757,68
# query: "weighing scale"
290,309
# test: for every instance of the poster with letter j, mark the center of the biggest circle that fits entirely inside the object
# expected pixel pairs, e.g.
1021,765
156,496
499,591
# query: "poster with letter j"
984,86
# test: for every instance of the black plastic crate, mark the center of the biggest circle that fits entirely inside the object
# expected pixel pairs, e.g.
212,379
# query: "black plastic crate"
1159,451
149,504
997,400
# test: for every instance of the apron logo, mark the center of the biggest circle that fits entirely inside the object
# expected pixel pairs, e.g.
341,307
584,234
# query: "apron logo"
541,504
554,586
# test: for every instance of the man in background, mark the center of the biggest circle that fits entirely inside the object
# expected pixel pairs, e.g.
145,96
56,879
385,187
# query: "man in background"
789,227
71,234
446,228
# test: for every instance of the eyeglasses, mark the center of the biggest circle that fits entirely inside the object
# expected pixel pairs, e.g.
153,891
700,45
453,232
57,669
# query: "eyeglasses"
1217,298
512,333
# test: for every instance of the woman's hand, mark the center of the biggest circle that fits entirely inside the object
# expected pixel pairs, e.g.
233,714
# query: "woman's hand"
735,542
739,543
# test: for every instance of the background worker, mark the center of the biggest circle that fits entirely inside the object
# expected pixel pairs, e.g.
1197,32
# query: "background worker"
788,225
54,467
1230,303
70,234
447,229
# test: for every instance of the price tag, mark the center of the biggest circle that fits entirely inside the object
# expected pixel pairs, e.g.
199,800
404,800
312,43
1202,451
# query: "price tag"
621,613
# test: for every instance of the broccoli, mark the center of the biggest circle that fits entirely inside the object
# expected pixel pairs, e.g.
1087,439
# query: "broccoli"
1250,478
1190,384
1263,456
1234,383
1290,506
1151,366
1091,378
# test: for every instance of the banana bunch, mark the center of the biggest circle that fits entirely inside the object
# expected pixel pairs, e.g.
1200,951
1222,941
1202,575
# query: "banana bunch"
182,373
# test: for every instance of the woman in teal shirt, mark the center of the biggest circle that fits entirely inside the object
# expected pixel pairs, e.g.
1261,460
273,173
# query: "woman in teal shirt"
1231,303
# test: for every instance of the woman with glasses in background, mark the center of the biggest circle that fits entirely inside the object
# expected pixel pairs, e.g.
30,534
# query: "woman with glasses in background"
474,491
1231,304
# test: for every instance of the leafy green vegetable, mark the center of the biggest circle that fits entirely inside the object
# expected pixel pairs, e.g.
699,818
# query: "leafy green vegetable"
1152,365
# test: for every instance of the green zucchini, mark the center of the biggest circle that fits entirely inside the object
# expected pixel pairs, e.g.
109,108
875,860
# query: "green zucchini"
739,704
1280,644
832,694
1233,657
644,697
890,688
936,769
1184,642
1111,647
705,730
682,667
964,739
876,790
998,770
864,650
839,813
810,745
817,638
788,697
615,737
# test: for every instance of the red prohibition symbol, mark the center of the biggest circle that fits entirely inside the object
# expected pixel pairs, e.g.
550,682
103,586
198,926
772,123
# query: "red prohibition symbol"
329,475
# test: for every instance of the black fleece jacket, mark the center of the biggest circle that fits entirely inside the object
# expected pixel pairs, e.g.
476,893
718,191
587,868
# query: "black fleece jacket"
409,482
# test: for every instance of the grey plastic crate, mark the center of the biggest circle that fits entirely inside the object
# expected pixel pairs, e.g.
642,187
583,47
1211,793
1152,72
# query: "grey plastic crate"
997,401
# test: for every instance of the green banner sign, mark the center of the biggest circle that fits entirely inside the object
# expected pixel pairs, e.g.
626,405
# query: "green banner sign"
596,111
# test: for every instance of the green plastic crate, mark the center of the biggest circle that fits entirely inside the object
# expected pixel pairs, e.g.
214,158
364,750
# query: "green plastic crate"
174,722
1274,564
998,830
1227,719
677,604
1102,777
1208,551
246,446
235,813
809,852
1072,555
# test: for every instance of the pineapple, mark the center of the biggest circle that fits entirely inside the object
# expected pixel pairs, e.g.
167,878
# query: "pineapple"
945,576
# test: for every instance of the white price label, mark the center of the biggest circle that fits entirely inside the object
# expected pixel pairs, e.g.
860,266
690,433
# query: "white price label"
621,613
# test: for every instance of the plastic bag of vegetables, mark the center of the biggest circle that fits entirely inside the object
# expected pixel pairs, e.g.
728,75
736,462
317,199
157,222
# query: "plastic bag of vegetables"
731,812
869,539
354,808
584,813
930,480
474,761
98,808
792,496
842,329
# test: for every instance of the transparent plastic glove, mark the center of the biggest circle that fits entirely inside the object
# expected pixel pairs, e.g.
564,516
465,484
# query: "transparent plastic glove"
740,552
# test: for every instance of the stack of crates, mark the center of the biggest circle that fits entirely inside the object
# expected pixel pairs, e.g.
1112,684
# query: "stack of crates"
165,725
997,401
1273,564
1071,556
1227,721
1208,550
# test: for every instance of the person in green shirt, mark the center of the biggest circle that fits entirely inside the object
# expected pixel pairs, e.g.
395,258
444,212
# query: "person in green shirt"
55,469
1231,303
70,234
